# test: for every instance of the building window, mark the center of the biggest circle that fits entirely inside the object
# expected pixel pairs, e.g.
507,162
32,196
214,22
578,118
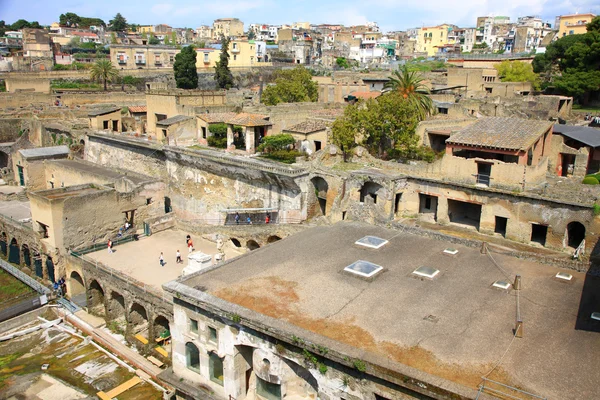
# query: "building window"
193,326
205,57
215,367
571,32
235,57
234,46
268,390
212,334
192,357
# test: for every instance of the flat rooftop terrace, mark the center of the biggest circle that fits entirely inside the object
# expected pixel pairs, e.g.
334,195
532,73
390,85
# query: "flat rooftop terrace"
111,174
17,210
140,259
456,325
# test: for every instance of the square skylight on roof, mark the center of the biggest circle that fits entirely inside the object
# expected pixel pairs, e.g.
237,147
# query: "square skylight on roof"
501,285
426,272
451,251
595,316
364,269
372,242
563,276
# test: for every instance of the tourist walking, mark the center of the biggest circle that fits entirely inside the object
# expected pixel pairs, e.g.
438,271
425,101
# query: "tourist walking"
237,218
110,245
161,259
178,260
190,246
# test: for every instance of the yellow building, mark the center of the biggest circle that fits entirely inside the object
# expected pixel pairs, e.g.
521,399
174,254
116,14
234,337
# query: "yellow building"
228,27
301,25
573,24
242,53
147,29
431,37
143,57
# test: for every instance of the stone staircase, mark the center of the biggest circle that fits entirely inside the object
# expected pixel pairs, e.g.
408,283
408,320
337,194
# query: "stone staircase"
22,196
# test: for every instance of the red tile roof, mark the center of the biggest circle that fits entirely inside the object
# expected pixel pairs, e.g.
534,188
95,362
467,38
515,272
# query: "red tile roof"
365,95
138,109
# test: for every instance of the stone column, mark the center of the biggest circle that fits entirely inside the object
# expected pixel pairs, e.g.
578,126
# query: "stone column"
250,139
229,135
44,266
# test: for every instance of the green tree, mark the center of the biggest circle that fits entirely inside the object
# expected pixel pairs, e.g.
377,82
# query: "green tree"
69,19
153,40
200,45
184,68
251,35
291,86
103,70
409,85
118,23
342,62
113,38
166,41
23,23
517,71
174,38
223,75
344,130
572,63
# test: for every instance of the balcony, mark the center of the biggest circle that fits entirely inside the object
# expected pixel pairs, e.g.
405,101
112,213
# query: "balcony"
122,61
235,50
140,62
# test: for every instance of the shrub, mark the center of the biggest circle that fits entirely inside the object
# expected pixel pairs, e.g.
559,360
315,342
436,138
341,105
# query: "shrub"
322,369
218,142
276,142
360,365
131,80
218,129
284,156
590,180
596,209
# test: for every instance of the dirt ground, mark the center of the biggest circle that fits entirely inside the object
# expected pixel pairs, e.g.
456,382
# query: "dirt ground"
75,369
12,290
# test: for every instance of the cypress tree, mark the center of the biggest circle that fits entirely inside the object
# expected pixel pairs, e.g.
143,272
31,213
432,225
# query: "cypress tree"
184,68
222,73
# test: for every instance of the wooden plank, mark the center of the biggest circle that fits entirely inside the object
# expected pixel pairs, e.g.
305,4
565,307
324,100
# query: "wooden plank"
141,338
161,351
123,387
162,339
103,396
155,361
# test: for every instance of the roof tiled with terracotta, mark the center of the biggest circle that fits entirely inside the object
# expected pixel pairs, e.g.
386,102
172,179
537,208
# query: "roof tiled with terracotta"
246,119
308,126
138,109
501,133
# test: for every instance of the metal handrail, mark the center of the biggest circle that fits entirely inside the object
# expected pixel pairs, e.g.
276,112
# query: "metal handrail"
26,279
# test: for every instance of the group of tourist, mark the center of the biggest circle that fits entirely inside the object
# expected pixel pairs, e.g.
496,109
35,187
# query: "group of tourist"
178,258
249,219
595,120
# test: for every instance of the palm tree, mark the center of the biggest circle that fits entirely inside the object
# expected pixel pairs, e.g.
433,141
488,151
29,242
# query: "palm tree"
103,70
409,84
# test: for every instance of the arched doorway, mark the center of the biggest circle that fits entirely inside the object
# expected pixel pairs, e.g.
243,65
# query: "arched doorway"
26,255
138,318
162,328
95,300
75,284
321,188
37,264
252,245
116,306
3,244
575,234
236,242
273,238
3,159
50,269
192,357
14,252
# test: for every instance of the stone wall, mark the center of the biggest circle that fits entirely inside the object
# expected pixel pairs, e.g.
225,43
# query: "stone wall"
284,116
25,99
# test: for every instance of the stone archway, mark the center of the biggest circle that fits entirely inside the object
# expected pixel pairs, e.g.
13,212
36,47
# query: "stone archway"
26,255
75,285
116,306
38,264
14,252
272,239
95,299
575,234
236,242
3,244
138,318
50,269
252,245
162,327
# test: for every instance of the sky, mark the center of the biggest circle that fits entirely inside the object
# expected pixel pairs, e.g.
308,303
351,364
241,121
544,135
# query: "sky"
389,14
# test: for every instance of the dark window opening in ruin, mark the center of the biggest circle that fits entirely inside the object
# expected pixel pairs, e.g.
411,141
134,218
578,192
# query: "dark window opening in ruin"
212,334
95,299
105,125
116,306
530,157
437,142
500,226
129,216
203,132
215,367
82,142
165,133
378,397
160,117
273,239
252,245
115,126
3,160
484,171
192,357
76,284
138,318
539,233
575,234
488,90
37,264
3,244
442,110
343,215
397,199
567,164
236,242
51,184
50,269
321,188
561,103
525,93
14,252
43,230
162,328
26,254
193,326
428,205
168,207
268,390
468,154
370,190
318,145
149,201
463,213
